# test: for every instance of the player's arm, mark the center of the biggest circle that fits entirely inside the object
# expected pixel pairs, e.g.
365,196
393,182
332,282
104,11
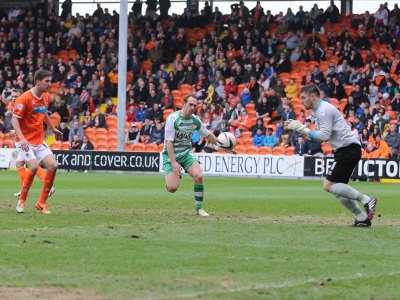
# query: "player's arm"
23,141
53,129
322,135
18,113
207,134
325,128
212,138
169,139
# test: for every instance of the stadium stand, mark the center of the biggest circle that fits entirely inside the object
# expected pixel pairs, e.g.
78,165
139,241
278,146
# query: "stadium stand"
241,66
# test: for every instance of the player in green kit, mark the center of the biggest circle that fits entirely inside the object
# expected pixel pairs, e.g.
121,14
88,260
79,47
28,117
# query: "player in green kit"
177,152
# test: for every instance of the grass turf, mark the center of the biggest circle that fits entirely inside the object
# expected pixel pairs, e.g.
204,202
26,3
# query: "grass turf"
124,236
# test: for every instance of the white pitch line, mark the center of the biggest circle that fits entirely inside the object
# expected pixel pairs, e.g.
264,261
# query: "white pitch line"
287,284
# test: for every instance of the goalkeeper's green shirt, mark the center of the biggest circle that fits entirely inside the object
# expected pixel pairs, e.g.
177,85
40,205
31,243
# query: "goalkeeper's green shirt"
179,130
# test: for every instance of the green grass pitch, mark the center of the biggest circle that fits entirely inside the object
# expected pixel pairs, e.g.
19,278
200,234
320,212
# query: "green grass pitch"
122,236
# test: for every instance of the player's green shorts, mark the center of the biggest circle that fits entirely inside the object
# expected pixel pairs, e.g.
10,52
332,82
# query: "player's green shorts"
185,161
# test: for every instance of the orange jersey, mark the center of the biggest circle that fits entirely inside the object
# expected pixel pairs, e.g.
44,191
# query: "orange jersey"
31,111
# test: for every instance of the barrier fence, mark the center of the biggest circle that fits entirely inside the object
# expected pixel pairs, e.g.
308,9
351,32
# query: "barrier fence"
214,164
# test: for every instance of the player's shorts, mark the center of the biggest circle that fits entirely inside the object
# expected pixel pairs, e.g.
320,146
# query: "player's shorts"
346,159
185,161
35,152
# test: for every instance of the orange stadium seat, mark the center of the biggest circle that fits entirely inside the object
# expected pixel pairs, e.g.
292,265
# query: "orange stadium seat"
239,141
246,134
128,147
55,119
278,150
112,147
112,128
326,148
90,130
112,140
295,102
265,150
334,102
139,147
348,89
167,112
129,77
101,135
113,131
252,150
8,142
186,86
102,147
65,145
111,122
176,93
178,103
266,121
102,139
56,145
151,148
146,65
289,151
247,140
101,130
240,149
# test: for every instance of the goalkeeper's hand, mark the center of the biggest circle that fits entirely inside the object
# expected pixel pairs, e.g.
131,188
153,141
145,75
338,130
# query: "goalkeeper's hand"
297,126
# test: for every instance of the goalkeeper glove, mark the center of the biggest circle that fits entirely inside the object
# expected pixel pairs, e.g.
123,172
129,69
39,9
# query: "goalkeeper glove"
297,126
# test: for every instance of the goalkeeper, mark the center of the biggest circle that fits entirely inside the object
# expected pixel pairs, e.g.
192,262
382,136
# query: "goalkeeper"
332,127
177,153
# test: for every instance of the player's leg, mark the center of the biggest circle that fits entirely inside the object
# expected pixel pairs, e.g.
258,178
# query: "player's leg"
32,164
171,179
45,156
343,196
337,180
20,165
194,170
42,176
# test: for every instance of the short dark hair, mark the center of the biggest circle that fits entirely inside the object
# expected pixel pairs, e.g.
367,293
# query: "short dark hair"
41,74
310,89
188,96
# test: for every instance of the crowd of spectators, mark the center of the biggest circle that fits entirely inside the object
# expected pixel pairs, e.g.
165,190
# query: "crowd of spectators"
246,69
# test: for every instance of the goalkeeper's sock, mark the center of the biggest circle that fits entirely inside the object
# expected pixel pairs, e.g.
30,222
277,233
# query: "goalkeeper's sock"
21,174
29,176
47,185
198,195
346,191
41,174
353,207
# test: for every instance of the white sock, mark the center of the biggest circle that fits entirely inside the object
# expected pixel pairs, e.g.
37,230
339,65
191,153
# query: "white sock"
353,207
346,191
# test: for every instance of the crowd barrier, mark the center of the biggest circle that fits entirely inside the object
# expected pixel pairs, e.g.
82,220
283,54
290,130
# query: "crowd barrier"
214,164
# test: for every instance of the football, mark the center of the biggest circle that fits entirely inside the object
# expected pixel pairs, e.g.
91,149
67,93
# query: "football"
226,141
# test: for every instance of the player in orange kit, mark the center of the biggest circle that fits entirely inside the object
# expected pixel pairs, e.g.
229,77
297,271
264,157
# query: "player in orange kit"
20,165
30,112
